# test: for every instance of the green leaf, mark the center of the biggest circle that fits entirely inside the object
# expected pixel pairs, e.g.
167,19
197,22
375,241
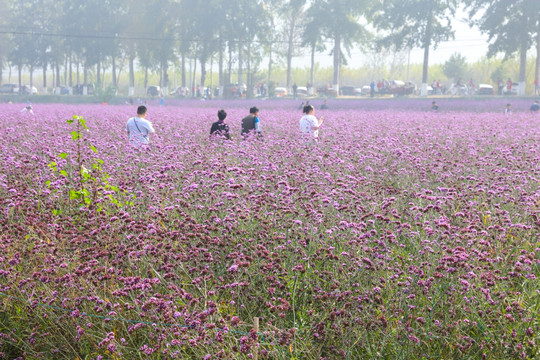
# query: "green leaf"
75,135
74,195
69,121
64,172
93,148
52,165
63,155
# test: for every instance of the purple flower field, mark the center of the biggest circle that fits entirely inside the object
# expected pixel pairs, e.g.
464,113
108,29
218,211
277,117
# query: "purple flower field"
402,234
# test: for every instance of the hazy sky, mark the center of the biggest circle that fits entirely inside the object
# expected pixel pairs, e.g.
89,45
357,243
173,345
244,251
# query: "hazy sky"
468,41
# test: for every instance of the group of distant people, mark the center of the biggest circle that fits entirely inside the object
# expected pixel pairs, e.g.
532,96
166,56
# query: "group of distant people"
251,124
535,107
309,124
139,129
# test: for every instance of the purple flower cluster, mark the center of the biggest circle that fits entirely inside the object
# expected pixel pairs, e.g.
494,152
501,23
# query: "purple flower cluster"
400,231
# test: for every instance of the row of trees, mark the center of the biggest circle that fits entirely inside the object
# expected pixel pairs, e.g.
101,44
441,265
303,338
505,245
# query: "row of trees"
80,37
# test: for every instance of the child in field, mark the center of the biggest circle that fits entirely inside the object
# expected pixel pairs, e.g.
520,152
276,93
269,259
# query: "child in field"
434,106
219,128
508,109
309,125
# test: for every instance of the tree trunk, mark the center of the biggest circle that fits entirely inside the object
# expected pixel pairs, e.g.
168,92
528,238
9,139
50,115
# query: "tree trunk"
161,75
119,69
337,62
183,70
145,77
524,46
19,70
203,72
249,93
70,69
45,76
290,51
240,69
193,78
312,71
57,66
427,45
269,68
537,69
65,71
1,69
165,78
230,64
131,90
114,71
31,78
220,66
78,73
85,79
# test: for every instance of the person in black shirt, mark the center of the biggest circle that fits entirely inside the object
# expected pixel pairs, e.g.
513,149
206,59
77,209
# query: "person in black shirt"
219,128
434,106
251,123
535,107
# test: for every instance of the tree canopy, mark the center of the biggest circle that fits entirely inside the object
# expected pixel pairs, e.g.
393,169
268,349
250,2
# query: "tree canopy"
90,37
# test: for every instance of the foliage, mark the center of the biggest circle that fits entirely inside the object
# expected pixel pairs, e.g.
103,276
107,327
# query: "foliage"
87,182
414,24
455,67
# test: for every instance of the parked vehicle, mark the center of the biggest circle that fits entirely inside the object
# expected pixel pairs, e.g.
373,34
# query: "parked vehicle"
327,90
365,90
29,90
280,91
65,90
400,88
9,89
153,90
485,89
350,91
301,91
512,91
181,91
458,90
79,89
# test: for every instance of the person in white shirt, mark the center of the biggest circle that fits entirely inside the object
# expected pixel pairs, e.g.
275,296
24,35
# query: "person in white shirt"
309,125
508,109
139,129
28,109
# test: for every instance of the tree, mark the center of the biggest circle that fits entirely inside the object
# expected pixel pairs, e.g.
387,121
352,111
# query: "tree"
312,37
455,67
339,21
414,24
4,40
509,25
290,15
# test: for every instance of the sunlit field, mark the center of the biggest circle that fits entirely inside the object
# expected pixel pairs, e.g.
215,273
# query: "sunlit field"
402,234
